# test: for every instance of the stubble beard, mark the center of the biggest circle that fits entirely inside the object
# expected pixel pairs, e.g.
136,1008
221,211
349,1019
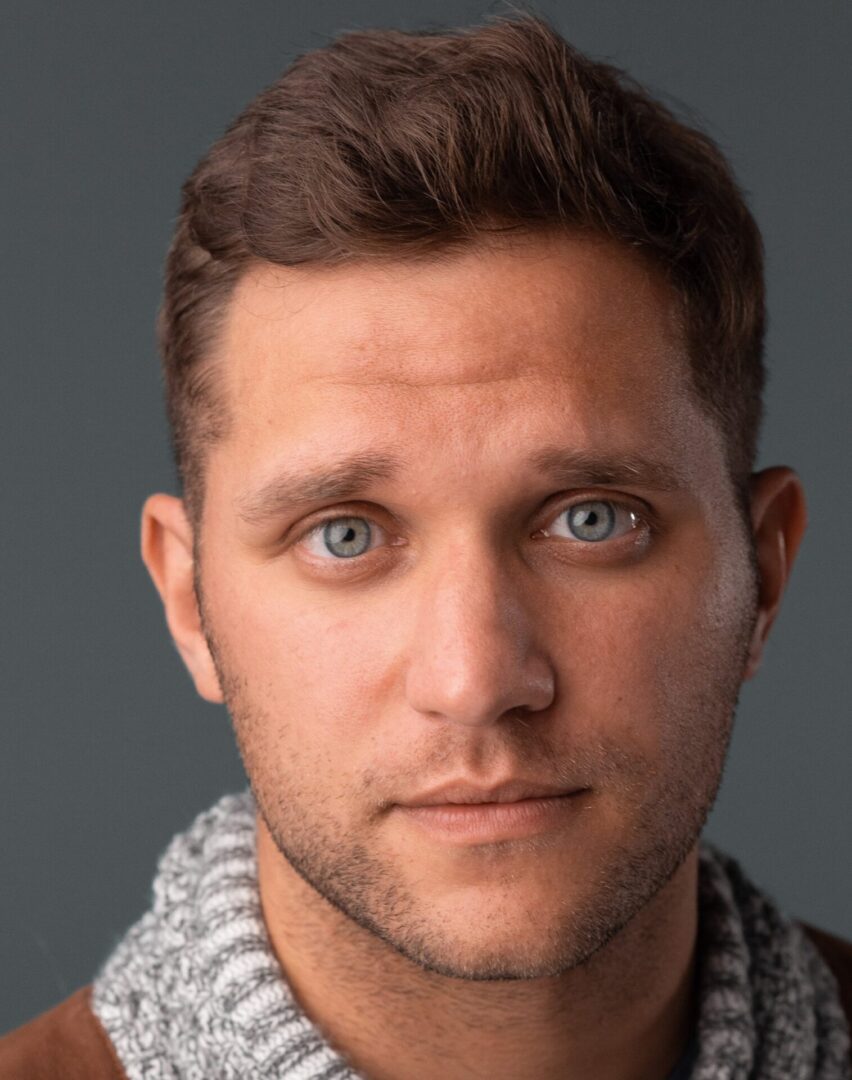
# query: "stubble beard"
346,874
373,895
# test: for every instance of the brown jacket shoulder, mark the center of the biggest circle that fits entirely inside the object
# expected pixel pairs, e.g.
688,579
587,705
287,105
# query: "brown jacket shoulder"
837,953
65,1043
68,1042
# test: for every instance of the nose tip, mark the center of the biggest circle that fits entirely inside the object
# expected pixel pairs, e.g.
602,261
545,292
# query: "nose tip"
474,655
479,696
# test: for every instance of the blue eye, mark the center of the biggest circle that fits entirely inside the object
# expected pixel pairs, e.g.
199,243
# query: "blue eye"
591,521
597,520
346,537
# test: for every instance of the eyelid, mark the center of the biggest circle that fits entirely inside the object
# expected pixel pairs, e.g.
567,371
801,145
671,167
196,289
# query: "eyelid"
300,529
632,505
620,510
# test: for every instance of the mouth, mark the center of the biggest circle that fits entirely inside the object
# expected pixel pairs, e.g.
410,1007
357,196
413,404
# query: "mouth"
508,812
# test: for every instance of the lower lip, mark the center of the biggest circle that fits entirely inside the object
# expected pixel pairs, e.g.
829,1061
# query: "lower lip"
490,822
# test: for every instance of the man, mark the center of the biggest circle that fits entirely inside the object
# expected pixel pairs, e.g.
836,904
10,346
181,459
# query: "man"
462,339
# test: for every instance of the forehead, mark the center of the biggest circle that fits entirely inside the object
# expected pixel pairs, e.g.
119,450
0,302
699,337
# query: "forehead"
543,331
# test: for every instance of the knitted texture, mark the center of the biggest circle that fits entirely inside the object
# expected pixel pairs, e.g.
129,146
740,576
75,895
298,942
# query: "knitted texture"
194,990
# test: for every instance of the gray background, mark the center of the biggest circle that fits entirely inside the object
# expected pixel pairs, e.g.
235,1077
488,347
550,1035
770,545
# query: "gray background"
106,751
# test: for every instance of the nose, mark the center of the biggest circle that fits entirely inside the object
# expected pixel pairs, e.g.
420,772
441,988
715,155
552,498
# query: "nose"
474,652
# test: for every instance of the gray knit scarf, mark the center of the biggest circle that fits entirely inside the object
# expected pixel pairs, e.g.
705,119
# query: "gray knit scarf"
194,990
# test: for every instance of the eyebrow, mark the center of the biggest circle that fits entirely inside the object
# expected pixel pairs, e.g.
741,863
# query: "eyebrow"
356,473
584,468
343,479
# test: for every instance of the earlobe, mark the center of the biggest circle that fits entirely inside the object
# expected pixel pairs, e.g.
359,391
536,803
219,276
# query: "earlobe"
167,551
778,521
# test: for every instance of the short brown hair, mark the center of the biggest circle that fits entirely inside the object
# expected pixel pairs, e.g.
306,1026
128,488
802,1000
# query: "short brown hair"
387,144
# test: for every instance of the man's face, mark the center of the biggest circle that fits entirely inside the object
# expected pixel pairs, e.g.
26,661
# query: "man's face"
552,585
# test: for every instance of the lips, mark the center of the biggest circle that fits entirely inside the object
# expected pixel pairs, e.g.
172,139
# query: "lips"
463,793
459,814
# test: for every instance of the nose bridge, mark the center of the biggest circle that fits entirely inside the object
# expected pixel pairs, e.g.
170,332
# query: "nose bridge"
474,654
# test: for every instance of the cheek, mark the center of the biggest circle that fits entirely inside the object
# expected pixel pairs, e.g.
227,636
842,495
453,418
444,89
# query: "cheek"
305,664
648,656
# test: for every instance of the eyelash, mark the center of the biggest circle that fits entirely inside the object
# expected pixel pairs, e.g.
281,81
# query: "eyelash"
643,529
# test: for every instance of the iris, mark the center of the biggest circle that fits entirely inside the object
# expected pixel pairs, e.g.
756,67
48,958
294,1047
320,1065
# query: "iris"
591,520
347,537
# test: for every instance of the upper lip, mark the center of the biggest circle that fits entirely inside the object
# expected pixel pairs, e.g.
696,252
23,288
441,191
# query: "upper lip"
510,791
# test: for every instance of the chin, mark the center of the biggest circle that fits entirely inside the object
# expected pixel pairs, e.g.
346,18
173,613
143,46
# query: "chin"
503,952
498,933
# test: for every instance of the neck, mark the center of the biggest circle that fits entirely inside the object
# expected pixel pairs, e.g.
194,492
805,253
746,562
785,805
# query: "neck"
624,1015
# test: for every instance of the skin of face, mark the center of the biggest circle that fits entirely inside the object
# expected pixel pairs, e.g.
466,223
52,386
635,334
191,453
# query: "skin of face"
476,634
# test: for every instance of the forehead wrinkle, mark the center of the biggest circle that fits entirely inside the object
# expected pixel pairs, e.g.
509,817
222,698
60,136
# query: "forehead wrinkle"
425,384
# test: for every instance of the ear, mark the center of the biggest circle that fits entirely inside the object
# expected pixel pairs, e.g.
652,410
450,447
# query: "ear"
167,551
778,520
